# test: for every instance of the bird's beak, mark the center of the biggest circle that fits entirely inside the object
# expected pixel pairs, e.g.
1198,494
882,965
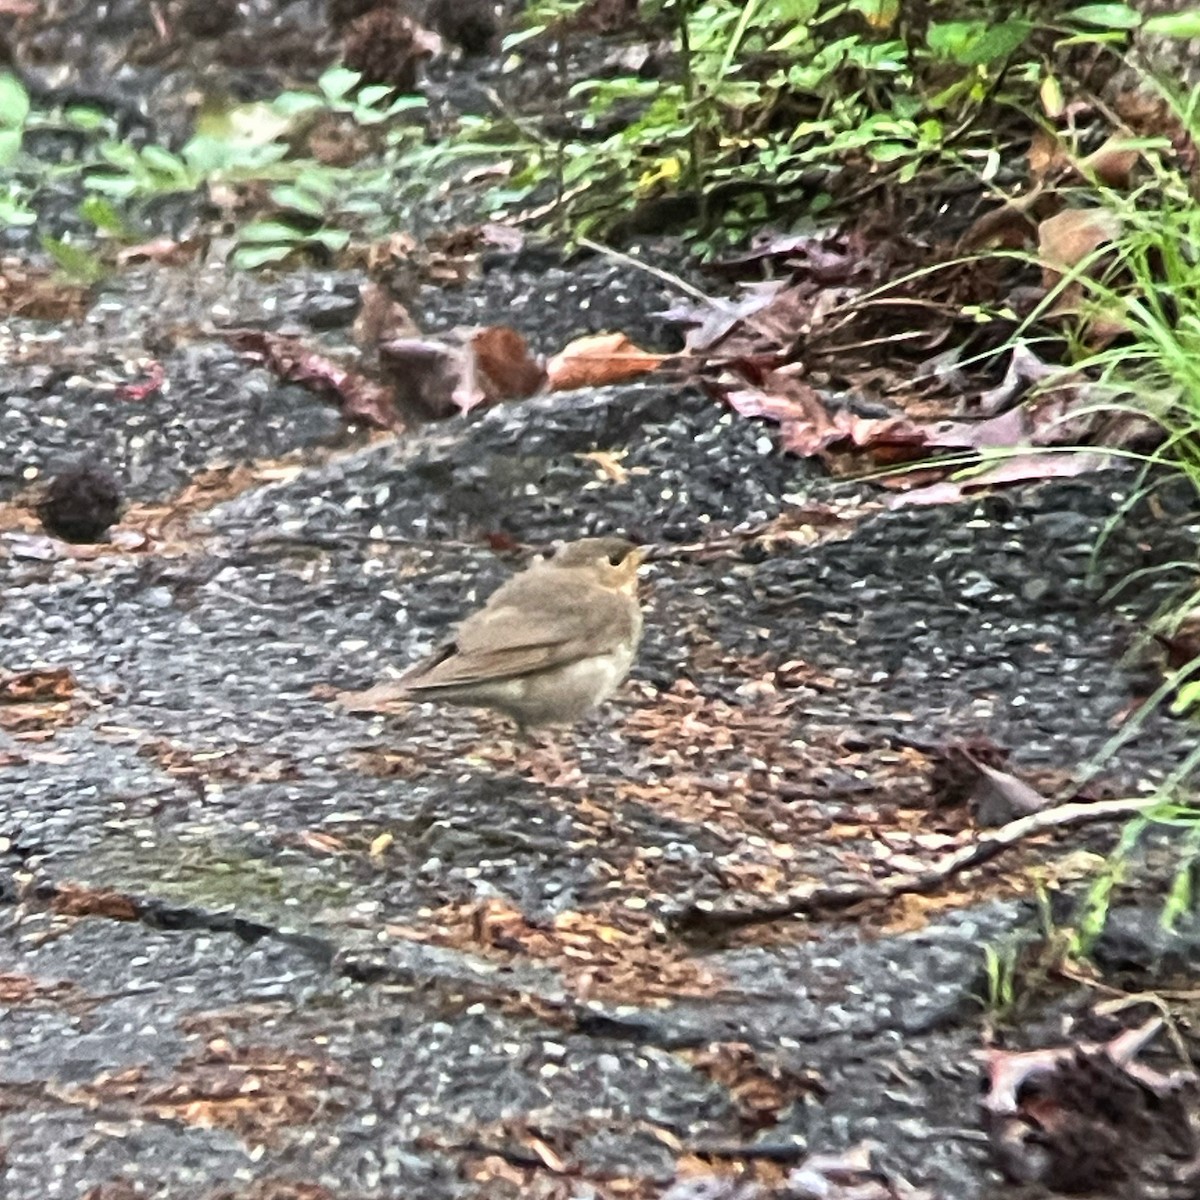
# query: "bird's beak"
625,577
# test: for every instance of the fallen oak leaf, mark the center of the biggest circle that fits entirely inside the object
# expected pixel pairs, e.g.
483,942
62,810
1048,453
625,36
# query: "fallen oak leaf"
597,360
1069,241
806,428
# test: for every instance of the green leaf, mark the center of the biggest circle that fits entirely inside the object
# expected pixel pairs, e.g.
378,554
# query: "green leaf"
103,215
324,181
997,43
159,158
246,258
14,102
123,157
121,186
1175,25
888,151
299,200
331,239
10,145
513,40
787,12
270,231
1186,699
291,104
80,116
796,36
1106,16
13,210
372,94
975,43
338,82
405,104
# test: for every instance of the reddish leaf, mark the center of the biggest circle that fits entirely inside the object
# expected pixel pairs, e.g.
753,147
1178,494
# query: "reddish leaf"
1017,468
508,370
597,360
805,425
360,398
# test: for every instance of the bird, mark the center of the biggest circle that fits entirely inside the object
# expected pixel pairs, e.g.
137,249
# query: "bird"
548,646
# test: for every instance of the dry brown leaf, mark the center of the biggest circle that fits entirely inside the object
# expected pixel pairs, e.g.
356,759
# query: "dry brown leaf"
597,360
1112,163
74,901
321,843
166,251
1009,227
431,378
608,463
360,398
1069,237
47,683
509,371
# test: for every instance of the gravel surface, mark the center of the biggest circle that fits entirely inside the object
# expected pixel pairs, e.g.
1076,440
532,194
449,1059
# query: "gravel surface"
206,775
268,941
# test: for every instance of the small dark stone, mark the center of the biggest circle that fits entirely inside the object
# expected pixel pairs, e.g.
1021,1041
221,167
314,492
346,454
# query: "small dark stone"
80,503
330,310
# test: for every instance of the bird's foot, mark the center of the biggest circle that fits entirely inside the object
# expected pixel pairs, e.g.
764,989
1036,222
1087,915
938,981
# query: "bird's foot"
546,759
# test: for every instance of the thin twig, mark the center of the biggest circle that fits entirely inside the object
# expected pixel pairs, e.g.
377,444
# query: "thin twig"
657,272
822,900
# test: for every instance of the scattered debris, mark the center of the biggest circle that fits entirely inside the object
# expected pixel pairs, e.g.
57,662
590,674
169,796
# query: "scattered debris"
1080,1117
826,899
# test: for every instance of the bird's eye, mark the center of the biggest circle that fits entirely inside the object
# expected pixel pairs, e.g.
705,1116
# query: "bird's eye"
616,557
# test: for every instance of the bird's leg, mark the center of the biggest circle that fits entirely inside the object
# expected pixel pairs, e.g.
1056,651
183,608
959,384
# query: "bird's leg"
548,749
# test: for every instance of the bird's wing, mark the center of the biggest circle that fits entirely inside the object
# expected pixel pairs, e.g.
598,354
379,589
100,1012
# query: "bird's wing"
529,626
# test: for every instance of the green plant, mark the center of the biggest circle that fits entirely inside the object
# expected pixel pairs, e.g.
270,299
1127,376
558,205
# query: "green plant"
14,207
315,205
338,91
1000,967
1130,313
14,111
76,263
758,97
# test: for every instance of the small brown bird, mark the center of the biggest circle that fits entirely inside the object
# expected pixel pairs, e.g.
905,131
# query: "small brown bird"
550,644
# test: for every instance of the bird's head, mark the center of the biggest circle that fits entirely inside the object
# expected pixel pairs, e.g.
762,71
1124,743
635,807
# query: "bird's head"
613,561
